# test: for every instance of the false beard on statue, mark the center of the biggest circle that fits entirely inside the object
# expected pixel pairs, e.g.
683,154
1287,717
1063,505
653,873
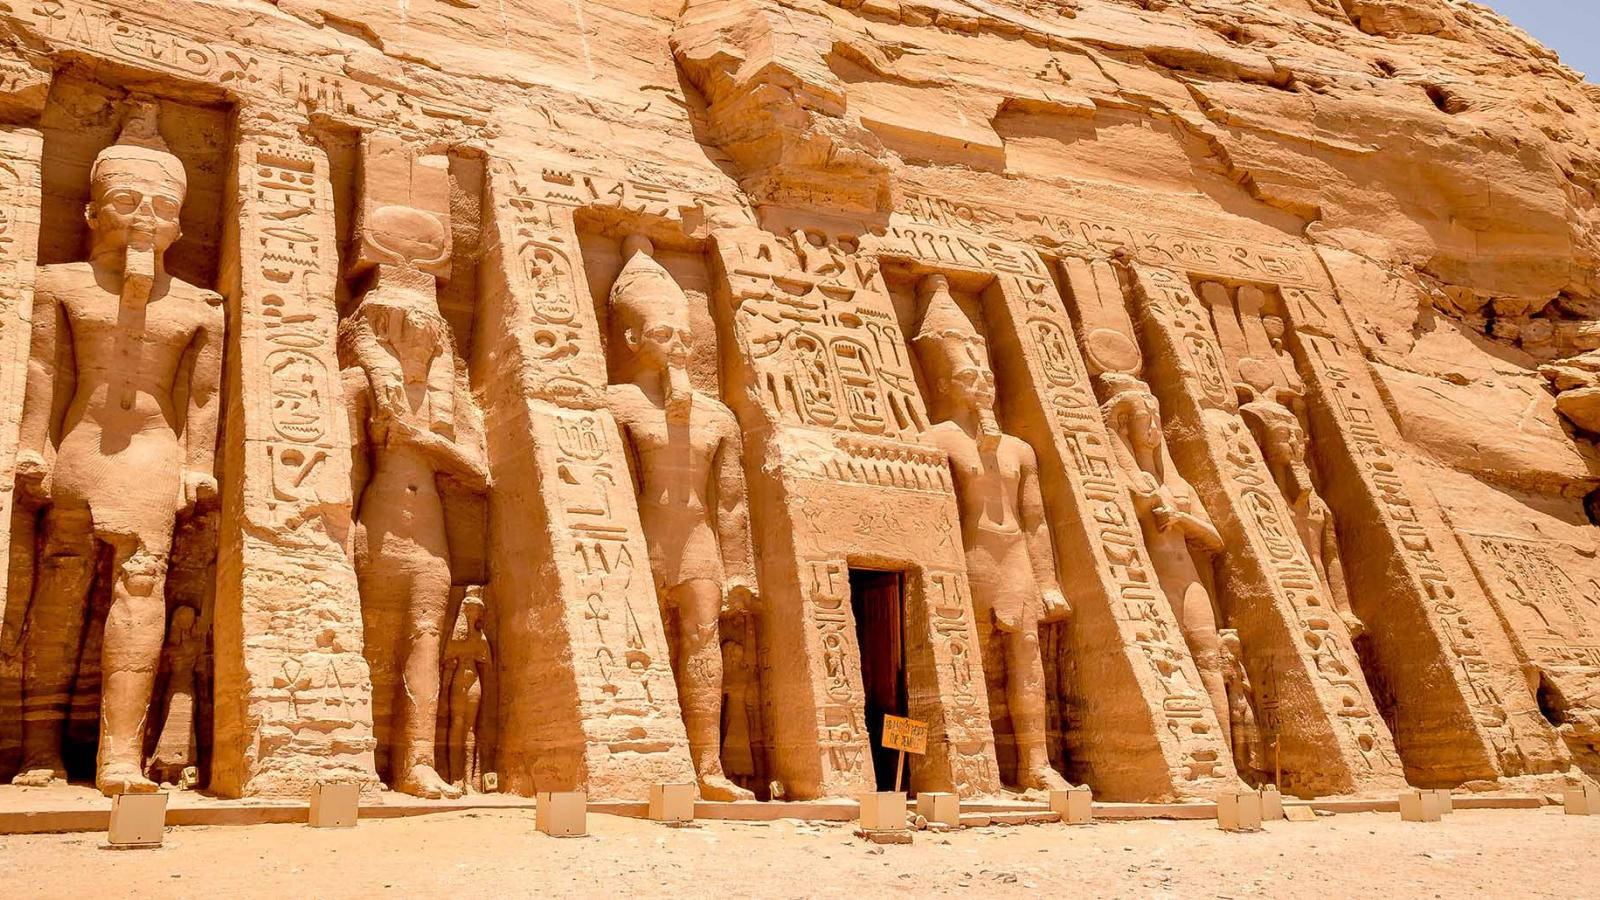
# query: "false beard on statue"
680,394
138,273
988,429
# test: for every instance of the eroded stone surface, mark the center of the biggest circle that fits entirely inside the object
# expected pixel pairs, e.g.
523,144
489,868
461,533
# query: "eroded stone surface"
618,394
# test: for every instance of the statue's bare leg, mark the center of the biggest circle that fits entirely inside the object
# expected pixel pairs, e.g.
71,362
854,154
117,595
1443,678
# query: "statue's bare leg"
426,595
698,667
1199,626
134,633
53,641
1025,696
465,693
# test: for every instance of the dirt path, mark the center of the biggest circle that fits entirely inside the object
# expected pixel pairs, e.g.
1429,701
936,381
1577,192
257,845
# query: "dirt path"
1495,853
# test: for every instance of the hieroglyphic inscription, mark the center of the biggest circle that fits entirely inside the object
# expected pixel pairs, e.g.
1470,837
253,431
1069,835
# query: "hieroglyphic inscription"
1358,413
1317,669
303,84
817,333
1168,247
1078,437
295,256
284,568
841,717
604,562
533,249
968,740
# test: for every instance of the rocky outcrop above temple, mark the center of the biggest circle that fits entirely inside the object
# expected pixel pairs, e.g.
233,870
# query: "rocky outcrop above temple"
1159,396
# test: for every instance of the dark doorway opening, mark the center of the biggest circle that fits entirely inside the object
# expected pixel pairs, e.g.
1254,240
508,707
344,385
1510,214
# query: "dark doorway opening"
878,600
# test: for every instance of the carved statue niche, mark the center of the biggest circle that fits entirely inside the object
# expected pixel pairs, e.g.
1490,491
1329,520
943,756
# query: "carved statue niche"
684,453
1244,734
176,748
1011,560
468,707
1282,439
1177,530
118,439
412,424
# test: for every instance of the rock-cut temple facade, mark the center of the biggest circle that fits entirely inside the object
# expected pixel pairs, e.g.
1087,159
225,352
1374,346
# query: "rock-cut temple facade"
468,395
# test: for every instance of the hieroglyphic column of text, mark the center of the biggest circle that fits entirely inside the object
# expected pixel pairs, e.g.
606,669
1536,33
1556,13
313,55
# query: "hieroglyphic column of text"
293,692
1312,698
1126,646
588,699
1462,707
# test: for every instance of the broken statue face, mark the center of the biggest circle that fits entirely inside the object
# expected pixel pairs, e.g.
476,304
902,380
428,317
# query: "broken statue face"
135,199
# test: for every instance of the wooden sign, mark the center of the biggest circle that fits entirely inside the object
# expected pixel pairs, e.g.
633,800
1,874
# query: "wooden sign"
908,735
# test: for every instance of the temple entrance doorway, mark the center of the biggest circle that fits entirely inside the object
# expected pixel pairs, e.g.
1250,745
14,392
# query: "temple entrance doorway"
878,600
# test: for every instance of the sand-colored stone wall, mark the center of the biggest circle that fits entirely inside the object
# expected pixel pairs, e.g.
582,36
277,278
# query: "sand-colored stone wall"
604,394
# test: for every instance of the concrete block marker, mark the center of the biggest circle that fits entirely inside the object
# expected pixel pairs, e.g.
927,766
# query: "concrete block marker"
1271,804
672,802
335,804
939,808
562,813
137,820
1419,806
1583,799
1239,811
1075,805
883,811
1445,801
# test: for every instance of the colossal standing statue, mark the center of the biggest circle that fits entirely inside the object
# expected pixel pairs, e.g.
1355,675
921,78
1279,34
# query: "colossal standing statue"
468,679
1175,524
122,392
1282,440
1011,561
405,393
684,451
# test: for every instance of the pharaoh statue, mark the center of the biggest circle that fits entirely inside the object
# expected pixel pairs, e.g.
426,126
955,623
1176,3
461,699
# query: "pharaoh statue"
684,452
468,678
1282,440
118,437
1010,557
175,746
1177,530
1243,731
405,391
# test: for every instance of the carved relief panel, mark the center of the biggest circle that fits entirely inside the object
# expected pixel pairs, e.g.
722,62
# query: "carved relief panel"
1298,651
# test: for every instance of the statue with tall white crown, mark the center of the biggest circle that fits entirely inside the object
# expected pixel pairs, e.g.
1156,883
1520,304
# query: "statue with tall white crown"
118,437
684,452
1011,560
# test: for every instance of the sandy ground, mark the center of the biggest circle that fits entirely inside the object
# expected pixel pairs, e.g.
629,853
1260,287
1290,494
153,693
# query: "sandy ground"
1493,853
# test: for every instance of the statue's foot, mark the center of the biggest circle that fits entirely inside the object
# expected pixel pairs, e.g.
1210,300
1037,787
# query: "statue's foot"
40,776
1045,779
423,781
718,788
122,778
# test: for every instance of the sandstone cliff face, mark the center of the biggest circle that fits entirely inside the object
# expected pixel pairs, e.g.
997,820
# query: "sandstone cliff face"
1346,251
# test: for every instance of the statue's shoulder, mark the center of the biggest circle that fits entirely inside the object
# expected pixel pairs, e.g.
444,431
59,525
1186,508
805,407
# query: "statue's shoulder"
1020,447
60,278
947,436
714,409
625,399
206,302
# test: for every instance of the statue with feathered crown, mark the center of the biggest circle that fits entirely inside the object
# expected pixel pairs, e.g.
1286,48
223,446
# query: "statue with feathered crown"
1011,560
684,452
119,428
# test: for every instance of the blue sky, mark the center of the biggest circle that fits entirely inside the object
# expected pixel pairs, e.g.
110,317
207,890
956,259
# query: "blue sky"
1569,27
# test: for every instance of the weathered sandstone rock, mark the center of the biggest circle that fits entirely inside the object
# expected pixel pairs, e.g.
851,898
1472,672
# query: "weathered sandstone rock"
1154,396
